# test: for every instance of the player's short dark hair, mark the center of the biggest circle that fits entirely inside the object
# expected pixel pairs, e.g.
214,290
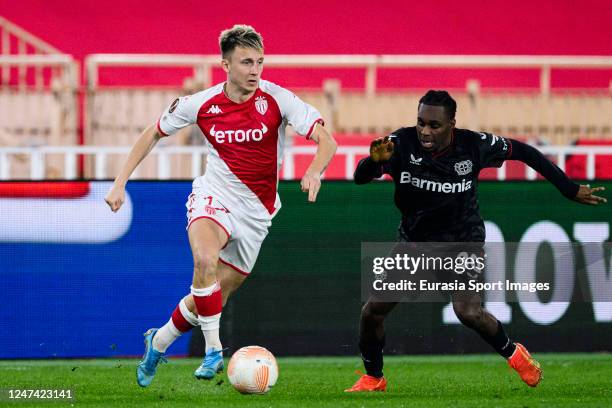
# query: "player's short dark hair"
239,35
440,98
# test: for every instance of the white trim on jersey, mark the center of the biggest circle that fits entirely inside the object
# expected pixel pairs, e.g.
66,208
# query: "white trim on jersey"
296,112
185,113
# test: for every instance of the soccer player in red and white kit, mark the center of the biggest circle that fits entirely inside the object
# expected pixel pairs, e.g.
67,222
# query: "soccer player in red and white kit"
231,207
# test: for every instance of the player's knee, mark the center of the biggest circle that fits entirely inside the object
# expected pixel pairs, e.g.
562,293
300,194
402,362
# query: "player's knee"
204,262
469,315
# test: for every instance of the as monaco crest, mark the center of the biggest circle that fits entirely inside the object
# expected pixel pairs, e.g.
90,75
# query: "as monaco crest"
261,104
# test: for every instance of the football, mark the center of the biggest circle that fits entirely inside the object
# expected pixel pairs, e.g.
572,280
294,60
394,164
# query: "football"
252,370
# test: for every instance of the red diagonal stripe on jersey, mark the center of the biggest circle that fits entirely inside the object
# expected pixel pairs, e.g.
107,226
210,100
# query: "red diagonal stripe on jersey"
34,189
254,163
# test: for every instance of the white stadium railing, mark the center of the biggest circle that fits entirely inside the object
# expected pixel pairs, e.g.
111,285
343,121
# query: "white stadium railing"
37,157
40,109
553,114
203,64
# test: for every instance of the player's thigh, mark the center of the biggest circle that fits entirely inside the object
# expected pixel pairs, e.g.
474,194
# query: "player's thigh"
373,308
466,301
229,279
206,234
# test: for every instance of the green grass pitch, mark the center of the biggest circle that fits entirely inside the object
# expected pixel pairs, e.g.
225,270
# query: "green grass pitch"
570,380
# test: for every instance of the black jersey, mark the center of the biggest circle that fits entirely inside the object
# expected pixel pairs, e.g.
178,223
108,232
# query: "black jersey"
437,193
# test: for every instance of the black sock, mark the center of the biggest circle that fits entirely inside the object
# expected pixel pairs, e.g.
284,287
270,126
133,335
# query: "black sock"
500,342
372,356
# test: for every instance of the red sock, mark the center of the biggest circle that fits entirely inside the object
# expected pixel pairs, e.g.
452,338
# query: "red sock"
209,301
182,318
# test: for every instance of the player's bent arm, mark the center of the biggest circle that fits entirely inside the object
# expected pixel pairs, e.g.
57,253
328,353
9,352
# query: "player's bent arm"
367,170
536,160
326,148
140,149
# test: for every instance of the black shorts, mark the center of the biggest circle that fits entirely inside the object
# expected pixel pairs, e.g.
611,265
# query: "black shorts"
453,264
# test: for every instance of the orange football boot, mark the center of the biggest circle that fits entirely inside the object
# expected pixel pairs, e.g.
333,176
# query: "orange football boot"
526,366
368,383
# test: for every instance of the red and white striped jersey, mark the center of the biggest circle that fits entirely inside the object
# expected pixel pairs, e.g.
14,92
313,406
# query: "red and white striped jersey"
245,140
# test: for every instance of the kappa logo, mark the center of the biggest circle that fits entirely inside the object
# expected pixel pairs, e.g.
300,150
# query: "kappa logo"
261,104
214,109
414,160
464,167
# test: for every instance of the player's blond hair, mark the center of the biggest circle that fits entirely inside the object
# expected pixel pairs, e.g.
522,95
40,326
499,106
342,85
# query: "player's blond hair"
239,35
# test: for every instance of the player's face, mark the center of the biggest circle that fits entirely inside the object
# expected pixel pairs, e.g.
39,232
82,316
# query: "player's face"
243,68
434,127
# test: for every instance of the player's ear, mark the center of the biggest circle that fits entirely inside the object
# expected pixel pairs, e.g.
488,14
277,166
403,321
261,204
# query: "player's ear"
453,122
225,64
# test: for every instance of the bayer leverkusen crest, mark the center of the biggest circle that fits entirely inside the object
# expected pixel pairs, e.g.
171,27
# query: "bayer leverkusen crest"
261,104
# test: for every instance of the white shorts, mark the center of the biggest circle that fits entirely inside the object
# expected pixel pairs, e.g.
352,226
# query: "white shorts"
245,234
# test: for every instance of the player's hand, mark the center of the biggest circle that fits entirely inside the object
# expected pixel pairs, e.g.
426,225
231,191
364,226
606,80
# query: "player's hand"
381,149
586,195
311,183
115,197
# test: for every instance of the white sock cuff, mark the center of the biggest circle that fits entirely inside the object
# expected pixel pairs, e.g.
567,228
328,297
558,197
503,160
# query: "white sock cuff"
210,322
207,291
190,317
176,332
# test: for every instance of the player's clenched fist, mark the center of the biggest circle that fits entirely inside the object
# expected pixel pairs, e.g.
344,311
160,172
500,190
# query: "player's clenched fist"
381,149
115,197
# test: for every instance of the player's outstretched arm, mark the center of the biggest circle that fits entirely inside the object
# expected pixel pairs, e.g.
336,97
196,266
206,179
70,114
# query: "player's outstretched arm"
369,168
147,140
583,194
326,148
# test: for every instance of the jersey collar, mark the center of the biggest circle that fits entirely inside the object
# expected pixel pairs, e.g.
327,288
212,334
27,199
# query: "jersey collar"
446,149
227,98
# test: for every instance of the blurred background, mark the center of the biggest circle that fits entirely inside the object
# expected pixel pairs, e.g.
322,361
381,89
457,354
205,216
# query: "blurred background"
79,81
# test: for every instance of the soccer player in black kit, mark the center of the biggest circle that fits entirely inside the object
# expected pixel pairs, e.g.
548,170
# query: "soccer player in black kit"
435,169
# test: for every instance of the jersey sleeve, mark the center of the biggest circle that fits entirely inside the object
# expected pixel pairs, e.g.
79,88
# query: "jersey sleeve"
182,112
492,150
299,114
